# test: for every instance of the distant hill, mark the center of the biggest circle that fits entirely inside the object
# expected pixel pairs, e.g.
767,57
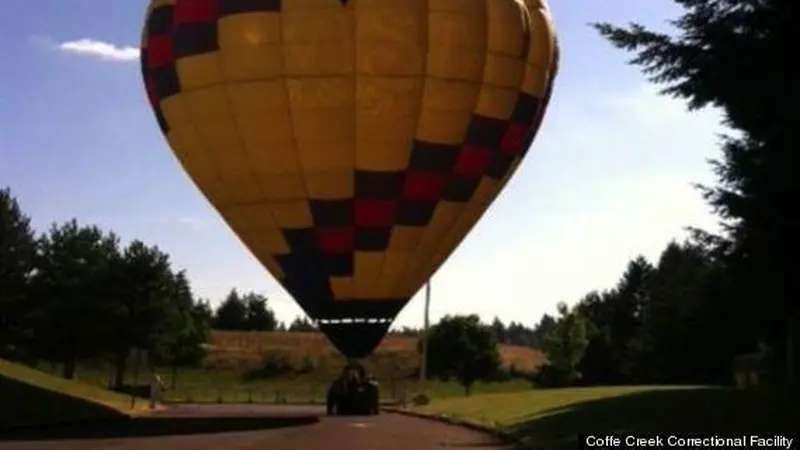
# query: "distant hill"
396,356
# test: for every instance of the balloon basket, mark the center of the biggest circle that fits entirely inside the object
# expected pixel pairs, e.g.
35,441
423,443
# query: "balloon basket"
353,393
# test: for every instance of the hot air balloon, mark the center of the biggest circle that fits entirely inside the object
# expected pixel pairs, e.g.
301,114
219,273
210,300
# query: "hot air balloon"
350,144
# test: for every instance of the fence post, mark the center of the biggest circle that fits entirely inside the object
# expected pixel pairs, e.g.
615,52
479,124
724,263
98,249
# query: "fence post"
392,370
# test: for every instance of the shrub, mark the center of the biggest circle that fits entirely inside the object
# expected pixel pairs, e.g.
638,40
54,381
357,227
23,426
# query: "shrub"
551,376
274,363
307,365
421,400
502,374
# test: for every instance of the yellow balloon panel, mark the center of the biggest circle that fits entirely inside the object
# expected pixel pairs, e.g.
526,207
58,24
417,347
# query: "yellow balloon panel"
351,145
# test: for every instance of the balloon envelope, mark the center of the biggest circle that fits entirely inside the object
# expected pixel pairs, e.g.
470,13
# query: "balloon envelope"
350,145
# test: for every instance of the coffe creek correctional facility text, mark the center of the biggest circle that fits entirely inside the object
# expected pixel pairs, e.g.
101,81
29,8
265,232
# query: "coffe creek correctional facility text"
643,441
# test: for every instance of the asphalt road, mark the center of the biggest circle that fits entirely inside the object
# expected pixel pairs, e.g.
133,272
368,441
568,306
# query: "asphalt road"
245,427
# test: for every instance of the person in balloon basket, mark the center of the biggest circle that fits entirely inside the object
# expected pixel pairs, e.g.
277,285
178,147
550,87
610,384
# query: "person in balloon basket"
345,392
353,393
368,397
373,394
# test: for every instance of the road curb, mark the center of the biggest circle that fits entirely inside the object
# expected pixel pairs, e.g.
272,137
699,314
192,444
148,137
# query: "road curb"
58,423
503,436
320,403
128,415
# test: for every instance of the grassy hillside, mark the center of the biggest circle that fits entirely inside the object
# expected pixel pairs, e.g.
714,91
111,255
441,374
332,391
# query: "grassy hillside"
313,364
395,357
32,397
553,418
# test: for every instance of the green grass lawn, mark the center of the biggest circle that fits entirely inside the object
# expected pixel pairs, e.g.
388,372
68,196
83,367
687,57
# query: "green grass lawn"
34,397
228,386
553,418
205,388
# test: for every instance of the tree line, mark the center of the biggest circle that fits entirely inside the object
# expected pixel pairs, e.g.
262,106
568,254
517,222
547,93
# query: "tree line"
75,293
669,322
684,317
513,333
251,312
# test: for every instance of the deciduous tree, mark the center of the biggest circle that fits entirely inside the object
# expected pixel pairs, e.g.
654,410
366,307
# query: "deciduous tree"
565,345
144,304
461,347
73,314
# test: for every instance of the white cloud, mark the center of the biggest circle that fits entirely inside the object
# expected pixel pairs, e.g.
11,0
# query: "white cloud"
104,51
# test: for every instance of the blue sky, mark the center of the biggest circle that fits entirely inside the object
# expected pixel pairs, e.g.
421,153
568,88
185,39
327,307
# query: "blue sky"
608,178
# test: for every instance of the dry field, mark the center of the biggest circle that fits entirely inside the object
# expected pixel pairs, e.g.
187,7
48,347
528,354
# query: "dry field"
396,354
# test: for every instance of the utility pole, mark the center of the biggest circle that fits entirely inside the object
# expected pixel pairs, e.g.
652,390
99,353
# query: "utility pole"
423,367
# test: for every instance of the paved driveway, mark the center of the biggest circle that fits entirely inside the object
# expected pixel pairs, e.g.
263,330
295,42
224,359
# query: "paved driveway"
256,427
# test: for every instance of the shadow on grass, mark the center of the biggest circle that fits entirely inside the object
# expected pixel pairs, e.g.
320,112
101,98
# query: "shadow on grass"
154,426
23,404
680,410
